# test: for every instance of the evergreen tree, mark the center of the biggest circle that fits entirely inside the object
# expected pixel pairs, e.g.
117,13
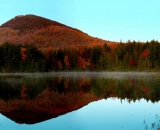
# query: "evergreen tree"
95,54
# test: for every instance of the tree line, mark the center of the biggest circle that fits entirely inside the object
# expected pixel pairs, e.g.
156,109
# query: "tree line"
129,56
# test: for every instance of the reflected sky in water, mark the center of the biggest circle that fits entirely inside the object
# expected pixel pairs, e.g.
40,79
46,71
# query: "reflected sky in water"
99,115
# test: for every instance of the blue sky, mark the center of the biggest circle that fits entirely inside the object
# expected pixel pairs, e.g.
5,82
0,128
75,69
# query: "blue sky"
112,20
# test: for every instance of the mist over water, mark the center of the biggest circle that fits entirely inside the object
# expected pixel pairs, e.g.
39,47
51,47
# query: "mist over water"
115,75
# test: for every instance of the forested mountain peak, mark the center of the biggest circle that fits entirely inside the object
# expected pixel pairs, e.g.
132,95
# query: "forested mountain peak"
24,22
45,33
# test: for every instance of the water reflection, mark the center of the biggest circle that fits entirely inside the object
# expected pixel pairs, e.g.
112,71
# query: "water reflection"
33,98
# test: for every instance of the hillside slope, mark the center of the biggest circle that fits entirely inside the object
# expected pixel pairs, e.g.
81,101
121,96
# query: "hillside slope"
44,33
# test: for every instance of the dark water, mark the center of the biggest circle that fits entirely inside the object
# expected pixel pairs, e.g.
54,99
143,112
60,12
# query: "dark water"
80,101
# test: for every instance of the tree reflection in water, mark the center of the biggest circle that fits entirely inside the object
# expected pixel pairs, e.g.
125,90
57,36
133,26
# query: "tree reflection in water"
44,97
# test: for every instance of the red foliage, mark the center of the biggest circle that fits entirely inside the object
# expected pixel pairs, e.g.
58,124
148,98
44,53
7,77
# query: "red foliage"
146,90
131,63
93,66
110,53
145,53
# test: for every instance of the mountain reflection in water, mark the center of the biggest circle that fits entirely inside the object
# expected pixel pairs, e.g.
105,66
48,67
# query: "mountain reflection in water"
33,98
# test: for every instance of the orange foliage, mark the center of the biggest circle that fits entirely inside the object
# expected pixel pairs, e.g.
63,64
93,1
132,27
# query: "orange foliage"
83,81
23,54
66,61
23,91
81,63
59,65
66,83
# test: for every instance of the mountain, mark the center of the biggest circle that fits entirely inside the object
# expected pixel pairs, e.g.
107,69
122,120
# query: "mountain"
45,33
29,22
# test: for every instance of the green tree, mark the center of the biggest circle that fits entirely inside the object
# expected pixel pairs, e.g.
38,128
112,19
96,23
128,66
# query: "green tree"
95,55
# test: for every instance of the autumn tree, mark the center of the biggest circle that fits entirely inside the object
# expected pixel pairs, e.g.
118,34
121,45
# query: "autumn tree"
67,62
23,54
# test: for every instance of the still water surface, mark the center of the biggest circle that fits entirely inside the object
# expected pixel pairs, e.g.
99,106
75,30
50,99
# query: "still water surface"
80,101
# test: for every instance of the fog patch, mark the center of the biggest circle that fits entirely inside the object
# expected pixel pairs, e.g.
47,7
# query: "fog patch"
107,75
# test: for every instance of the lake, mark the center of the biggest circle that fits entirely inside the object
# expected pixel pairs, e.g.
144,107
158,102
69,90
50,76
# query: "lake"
80,101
